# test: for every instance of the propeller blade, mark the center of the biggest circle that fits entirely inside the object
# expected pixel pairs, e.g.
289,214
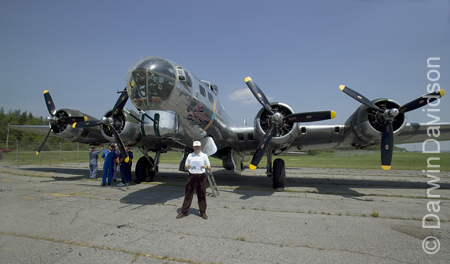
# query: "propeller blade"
421,101
43,142
359,97
262,147
120,103
119,143
387,145
90,123
49,102
72,119
258,94
310,116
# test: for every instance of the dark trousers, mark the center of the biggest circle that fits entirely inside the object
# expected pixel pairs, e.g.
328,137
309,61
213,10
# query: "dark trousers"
195,182
125,173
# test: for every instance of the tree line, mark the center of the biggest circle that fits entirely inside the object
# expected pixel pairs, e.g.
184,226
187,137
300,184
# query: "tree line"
17,117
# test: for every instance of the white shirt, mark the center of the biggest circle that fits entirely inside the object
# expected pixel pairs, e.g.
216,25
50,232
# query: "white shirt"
196,162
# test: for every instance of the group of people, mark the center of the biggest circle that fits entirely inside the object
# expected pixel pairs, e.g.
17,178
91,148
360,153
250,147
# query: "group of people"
197,163
110,159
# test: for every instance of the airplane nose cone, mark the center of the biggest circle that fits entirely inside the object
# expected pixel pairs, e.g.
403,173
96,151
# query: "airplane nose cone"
151,82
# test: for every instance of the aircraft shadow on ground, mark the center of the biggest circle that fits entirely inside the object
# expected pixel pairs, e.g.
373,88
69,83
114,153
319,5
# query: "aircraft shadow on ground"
246,186
74,174
250,186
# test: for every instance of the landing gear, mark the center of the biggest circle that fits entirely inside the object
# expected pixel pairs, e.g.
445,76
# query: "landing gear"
277,172
144,171
146,167
279,175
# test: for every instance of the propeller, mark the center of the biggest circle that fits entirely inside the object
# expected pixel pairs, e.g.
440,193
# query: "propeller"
278,120
56,120
110,122
387,135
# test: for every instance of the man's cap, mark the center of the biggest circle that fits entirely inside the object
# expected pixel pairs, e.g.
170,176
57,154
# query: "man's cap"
197,144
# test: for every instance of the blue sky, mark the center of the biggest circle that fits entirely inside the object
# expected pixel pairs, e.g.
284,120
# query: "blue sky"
298,52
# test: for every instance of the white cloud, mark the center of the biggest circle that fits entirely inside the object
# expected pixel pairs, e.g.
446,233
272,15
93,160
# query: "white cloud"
245,96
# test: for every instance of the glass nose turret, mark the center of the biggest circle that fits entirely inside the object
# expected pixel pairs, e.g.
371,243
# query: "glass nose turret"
151,82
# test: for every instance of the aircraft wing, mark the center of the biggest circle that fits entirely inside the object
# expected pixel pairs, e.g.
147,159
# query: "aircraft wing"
418,132
91,136
40,130
314,137
335,136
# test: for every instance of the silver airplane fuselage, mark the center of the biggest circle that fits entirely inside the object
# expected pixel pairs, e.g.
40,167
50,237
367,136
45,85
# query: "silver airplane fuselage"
184,107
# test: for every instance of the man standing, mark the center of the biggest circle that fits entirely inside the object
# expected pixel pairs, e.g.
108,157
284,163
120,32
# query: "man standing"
116,164
106,151
93,159
125,168
197,163
108,164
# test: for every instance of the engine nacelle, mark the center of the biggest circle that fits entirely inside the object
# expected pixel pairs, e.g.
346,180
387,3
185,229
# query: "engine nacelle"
367,124
284,133
91,135
126,126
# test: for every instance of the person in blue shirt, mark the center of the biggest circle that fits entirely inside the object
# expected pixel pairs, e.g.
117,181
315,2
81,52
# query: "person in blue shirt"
108,164
93,159
106,151
125,168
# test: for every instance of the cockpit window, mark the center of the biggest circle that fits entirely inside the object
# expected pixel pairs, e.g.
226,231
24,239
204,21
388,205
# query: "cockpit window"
188,79
206,83
202,90
210,97
139,78
159,86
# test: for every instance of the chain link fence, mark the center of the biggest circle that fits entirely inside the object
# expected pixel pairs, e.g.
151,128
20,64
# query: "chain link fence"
26,151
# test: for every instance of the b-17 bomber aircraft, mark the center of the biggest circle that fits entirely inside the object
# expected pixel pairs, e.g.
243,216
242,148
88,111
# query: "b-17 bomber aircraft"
175,108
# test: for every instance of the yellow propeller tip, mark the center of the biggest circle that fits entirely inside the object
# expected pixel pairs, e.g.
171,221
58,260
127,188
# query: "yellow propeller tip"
127,159
386,167
85,118
248,79
45,91
37,153
442,92
333,114
341,87
252,167
74,124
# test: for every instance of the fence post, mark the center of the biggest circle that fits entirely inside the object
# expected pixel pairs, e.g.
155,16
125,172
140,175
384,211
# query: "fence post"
17,150
7,137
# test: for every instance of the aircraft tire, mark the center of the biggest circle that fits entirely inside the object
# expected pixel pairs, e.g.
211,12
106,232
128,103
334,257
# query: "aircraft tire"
279,175
143,170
